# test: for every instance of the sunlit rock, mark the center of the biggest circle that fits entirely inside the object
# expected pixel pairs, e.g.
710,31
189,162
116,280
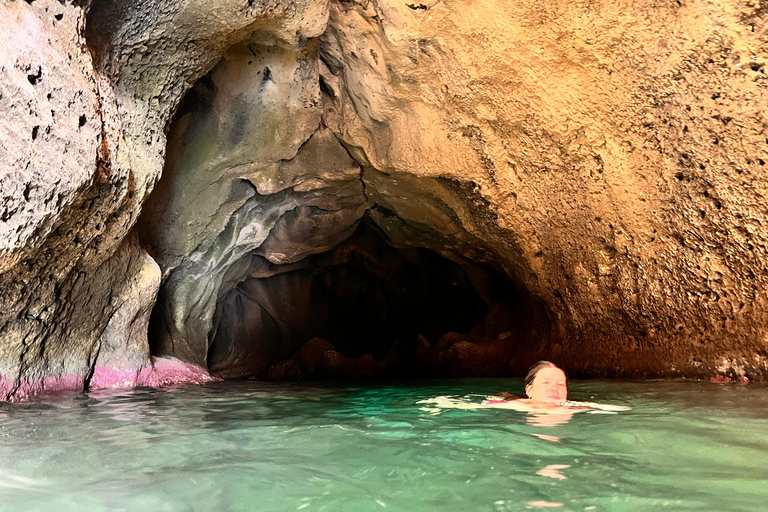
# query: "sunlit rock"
607,163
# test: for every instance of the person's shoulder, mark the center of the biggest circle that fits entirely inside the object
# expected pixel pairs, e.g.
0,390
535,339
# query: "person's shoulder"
597,406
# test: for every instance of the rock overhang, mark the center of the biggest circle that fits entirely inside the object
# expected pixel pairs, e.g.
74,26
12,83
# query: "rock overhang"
608,171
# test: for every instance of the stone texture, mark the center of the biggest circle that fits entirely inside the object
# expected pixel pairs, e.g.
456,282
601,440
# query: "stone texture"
607,159
622,152
67,201
163,371
610,163
238,175
82,144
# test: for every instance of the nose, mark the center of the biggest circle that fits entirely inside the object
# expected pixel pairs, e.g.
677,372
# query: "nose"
554,389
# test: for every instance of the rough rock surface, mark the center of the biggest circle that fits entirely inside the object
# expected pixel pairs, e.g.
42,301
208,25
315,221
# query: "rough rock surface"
68,203
608,159
234,177
621,148
85,103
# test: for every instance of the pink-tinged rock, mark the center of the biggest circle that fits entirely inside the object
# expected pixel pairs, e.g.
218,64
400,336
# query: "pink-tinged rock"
724,379
169,371
25,390
105,378
162,372
6,386
63,382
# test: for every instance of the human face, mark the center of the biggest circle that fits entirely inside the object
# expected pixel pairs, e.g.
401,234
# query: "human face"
548,386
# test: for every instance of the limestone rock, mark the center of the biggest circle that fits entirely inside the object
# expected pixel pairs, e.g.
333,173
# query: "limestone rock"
607,160
610,161
67,201
81,144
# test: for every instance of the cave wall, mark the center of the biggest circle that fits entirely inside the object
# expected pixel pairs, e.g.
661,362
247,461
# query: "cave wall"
68,198
609,158
87,91
622,146
247,167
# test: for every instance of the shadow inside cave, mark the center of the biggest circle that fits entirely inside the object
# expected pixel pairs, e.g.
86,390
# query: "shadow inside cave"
368,309
286,254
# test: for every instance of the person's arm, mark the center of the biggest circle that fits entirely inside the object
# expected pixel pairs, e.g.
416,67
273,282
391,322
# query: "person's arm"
507,396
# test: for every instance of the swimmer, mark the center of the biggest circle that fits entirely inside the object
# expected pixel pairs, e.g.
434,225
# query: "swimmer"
546,400
546,387
546,391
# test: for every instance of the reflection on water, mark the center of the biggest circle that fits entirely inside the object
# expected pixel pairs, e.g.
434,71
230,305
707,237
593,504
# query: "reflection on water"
548,420
275,447
553,471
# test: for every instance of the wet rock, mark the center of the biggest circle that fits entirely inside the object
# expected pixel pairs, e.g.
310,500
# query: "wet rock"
318,359
159,372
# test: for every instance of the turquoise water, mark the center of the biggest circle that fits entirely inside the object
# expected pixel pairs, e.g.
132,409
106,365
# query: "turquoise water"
281,447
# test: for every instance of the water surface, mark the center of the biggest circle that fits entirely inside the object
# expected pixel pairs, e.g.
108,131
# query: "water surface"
251,446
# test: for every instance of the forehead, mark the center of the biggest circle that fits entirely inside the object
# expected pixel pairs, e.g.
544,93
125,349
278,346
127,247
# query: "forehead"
550,374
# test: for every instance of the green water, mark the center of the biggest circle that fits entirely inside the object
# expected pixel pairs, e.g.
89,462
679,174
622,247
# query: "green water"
283,447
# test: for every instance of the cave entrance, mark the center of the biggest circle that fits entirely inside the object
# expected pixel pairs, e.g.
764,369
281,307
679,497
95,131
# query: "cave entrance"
286,253
365,309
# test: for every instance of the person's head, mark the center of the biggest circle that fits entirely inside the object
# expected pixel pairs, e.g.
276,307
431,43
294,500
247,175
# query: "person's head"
546,382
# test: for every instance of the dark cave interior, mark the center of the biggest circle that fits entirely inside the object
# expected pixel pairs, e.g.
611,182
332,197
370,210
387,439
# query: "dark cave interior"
369,309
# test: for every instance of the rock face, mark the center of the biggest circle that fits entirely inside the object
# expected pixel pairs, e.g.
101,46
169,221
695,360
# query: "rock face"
618,160
86,101
69,196
607,161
